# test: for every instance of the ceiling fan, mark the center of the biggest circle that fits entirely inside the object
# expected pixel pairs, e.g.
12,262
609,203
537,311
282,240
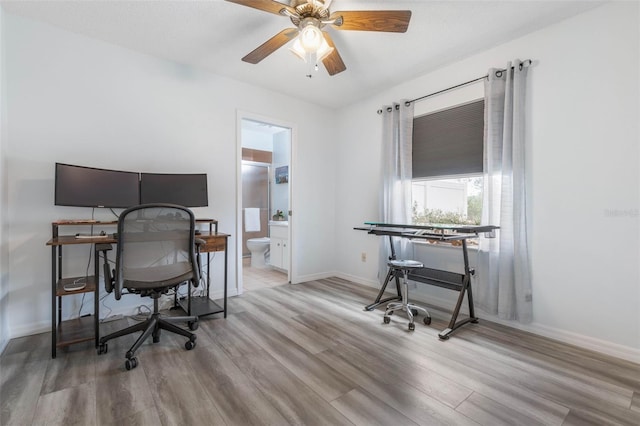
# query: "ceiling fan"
313,44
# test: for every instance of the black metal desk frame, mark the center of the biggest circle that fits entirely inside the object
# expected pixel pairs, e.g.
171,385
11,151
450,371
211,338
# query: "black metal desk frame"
436,277
203,305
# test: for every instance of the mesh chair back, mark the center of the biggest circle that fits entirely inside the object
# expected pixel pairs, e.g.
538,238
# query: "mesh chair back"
155,248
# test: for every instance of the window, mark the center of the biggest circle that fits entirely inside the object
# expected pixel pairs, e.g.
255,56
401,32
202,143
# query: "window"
447,165
456,200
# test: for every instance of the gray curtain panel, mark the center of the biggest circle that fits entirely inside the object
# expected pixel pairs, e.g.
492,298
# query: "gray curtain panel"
395,201
504,279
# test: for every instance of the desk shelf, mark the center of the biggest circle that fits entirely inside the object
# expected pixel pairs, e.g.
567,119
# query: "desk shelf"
90,286
75,330
214,241
200,306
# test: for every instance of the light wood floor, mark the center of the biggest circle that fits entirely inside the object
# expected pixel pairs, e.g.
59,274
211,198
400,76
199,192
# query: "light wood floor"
259,278
308,354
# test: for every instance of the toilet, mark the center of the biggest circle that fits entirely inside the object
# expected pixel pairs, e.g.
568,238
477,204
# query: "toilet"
258,248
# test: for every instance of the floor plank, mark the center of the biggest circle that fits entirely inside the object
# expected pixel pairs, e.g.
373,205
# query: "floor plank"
298,403
365,409
69,406
236,398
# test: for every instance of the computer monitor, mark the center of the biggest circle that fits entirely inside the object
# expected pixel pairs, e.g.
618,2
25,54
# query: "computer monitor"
81,186
189,190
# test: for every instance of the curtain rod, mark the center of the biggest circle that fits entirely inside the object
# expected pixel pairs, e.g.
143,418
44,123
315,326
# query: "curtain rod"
525,63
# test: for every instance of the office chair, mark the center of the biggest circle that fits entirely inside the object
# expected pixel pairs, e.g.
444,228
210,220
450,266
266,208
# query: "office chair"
156,252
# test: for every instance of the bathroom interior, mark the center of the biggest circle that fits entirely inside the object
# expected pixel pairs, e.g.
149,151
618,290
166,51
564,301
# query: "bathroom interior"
266,150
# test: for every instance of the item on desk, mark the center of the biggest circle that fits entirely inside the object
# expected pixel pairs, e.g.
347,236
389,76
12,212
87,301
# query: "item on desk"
102,235
75,286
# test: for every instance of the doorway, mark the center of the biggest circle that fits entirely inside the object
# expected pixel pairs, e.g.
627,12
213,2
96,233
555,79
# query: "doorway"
264,203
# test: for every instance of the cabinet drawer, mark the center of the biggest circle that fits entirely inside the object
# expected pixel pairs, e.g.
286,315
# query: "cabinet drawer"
279,231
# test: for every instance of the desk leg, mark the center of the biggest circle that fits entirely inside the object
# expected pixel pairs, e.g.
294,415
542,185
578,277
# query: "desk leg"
466,288
53,301
226,243
96,294
189,298
379,301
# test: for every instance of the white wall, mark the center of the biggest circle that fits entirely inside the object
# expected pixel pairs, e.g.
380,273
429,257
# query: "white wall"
4,250
73,99
256,140
583,175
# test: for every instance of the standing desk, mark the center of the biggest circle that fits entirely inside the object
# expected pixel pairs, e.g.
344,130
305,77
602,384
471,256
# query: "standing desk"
456,234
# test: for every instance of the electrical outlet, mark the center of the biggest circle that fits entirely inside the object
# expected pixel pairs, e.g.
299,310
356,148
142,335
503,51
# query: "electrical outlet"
363,256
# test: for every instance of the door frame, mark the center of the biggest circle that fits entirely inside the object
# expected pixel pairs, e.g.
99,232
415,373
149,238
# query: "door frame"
245,115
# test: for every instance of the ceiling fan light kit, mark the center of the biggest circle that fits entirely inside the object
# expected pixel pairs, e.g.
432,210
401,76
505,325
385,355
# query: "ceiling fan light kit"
313,44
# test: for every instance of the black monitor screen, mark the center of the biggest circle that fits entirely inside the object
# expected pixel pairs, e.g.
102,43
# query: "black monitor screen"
89,187
189,190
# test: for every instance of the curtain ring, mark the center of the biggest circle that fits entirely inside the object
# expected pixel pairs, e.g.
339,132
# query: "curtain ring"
499,73
407,103
397,107
389,109
520,67
379,111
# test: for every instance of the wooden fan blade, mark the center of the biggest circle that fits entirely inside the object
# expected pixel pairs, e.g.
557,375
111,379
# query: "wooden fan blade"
271,45
393,21
333,62
266,5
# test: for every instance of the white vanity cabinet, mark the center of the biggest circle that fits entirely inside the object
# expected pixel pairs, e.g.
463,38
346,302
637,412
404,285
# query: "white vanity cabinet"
279,234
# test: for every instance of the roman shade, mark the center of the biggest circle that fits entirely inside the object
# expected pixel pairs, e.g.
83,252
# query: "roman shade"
449,142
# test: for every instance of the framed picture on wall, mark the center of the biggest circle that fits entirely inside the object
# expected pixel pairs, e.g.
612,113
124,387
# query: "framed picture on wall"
282,174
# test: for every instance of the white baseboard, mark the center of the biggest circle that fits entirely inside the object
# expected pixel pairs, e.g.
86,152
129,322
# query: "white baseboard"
571,338
219,294
358,280
575,339
30,329
312,277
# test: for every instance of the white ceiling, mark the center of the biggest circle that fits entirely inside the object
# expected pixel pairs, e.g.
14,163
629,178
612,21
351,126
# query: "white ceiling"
215,35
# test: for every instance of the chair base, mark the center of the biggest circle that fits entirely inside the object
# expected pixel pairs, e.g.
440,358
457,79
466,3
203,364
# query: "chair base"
410,309
404,305
152,327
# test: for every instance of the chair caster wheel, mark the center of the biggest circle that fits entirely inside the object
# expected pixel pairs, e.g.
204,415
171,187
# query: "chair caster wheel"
426,320
156,339
102,348
189,345
131,363
386,320
193,325
414,312
412,326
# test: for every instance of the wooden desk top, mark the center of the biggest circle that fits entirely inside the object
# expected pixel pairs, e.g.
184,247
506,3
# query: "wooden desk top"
64,240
